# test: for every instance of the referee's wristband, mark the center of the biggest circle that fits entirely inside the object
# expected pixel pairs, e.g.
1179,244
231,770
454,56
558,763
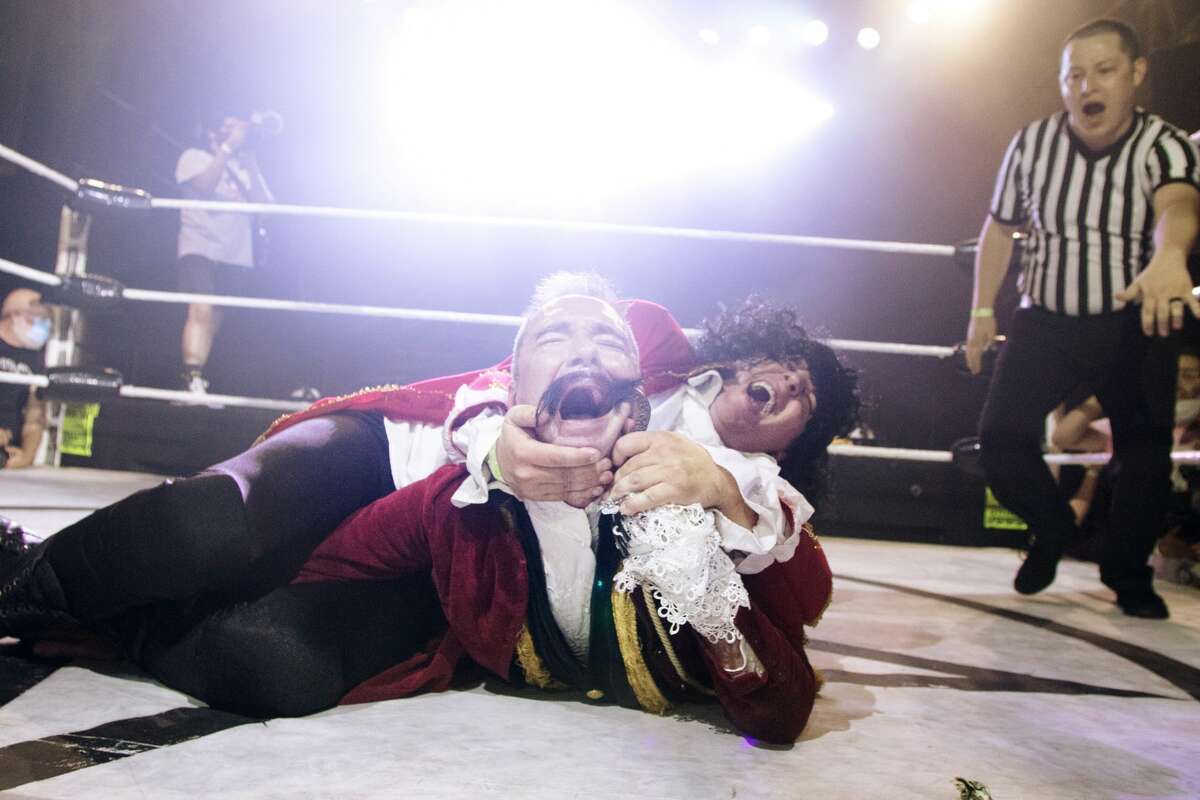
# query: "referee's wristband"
493,463
983,313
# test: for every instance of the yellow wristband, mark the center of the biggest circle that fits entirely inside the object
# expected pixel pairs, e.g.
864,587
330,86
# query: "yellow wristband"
984,313
493,462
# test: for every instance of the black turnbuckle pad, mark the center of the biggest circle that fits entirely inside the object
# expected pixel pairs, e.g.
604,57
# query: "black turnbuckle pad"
94,193
88,292
81,384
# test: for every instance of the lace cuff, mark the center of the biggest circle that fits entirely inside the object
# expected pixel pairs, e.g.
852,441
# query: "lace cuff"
674,553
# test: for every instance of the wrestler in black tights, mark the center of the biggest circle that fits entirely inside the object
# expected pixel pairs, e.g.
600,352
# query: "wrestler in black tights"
192,575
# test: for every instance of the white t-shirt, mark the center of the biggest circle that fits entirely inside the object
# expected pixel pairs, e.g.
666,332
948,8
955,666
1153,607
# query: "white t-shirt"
226,238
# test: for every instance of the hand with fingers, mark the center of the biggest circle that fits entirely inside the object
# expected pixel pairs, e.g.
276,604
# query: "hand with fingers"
1164,291
660,467
539,471
981,334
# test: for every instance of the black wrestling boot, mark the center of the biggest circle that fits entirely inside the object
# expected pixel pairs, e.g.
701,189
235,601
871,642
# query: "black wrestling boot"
1040,566
13,541
31,599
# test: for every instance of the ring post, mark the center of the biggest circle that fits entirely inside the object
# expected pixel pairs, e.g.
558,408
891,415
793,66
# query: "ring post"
62,349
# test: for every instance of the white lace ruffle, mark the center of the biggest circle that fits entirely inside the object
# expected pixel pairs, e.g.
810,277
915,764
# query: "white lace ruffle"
674,552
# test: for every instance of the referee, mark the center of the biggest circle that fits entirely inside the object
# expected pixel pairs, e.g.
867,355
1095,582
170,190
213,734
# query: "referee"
1109,196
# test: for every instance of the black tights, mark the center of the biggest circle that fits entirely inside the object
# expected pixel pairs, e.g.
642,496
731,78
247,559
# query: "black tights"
192,576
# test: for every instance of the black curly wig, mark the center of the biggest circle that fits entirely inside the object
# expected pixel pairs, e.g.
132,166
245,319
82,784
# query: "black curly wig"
756,331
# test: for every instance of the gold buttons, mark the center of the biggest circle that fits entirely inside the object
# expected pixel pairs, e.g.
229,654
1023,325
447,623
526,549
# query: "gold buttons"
595,694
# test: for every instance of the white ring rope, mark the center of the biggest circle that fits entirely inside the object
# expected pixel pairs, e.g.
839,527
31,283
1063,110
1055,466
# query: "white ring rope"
190,398
38,168
946,457
333,212
284,209
29,273
464,317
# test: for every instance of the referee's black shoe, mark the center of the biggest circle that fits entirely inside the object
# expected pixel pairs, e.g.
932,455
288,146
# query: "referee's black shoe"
1039,568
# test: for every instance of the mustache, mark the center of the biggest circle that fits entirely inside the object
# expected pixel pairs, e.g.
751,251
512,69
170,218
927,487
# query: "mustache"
587,394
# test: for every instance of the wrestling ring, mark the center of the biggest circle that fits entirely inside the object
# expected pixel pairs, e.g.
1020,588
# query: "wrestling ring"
923,637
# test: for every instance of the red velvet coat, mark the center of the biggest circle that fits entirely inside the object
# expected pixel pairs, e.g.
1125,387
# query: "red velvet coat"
479,571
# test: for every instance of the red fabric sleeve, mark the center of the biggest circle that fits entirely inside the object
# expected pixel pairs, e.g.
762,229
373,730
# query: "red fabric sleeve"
777,709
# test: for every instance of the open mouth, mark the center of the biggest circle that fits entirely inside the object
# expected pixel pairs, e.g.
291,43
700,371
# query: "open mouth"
580,408
583,395
762,394
1093,109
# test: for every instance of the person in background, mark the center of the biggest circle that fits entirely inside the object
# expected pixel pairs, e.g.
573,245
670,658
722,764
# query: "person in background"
216,250
24,329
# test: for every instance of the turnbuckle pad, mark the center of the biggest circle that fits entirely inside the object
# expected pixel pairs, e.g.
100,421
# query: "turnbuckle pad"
88,292
81,384
93,193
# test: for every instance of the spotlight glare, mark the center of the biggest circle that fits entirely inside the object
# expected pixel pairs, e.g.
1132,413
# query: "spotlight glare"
709,36
868,38
760,35
918,12
815,32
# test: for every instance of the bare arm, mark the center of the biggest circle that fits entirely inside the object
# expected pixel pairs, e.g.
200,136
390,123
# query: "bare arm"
1165,278
32,426
206,182
991,265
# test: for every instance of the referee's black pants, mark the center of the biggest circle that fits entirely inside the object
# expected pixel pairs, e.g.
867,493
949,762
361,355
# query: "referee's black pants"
1047,355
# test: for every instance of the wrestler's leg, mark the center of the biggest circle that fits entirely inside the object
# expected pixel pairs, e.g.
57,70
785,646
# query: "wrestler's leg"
294,651
249,520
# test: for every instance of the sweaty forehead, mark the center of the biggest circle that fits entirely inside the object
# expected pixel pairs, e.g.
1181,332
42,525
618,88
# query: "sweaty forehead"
578,309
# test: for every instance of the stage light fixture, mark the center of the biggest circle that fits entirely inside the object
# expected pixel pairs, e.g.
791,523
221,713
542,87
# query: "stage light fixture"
816,32
868,38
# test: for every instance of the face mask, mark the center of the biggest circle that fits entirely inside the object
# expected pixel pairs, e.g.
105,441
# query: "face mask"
1186,410
34,334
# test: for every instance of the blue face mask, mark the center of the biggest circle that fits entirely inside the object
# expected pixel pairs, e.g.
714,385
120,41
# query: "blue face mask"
36,333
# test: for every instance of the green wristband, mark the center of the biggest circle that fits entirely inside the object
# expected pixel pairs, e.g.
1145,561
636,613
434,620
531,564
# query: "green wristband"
982,313
493,462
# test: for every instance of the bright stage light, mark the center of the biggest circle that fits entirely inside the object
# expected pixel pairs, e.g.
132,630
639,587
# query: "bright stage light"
918,12
868,38
709,36
815,32
566,102
760,35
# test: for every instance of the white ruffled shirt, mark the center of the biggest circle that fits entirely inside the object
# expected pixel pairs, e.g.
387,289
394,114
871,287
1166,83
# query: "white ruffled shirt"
567,535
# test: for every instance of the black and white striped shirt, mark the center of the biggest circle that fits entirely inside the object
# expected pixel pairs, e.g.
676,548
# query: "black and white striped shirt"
1090,215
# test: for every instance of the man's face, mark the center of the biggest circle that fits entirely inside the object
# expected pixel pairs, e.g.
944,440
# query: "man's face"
1188,385
765,406
583,343
1097,81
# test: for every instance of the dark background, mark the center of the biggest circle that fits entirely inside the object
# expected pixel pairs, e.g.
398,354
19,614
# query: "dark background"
98,88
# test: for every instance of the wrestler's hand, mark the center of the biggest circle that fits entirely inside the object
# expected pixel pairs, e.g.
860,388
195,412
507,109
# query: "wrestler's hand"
981,333
660,467
237,135
1164,290
539,471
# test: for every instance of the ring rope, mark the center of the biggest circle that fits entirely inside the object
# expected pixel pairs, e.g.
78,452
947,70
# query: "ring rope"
188,298
38,168
946,457
333,212
29,273
283,209
175,396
